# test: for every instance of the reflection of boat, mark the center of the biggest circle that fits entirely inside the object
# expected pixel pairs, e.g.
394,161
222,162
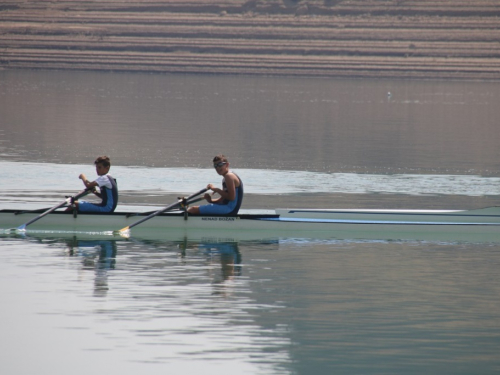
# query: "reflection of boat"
482,225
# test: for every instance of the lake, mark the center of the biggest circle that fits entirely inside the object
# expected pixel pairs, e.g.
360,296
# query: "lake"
289,306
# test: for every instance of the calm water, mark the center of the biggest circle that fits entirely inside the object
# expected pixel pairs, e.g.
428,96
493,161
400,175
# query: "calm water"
80,304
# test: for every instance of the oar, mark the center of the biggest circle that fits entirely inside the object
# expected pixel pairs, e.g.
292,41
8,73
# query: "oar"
151,212
168,208
62,204
37,211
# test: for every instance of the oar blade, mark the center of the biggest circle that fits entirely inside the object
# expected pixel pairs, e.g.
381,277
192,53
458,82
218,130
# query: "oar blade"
124,232
21,228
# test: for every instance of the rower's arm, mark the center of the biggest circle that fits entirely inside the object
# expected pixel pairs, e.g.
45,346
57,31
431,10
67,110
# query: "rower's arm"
230,194
88,184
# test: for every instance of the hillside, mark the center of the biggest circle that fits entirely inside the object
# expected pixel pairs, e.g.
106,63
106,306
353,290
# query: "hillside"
448,39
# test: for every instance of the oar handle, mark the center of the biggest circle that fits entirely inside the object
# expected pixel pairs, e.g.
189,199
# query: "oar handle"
196,194
81,194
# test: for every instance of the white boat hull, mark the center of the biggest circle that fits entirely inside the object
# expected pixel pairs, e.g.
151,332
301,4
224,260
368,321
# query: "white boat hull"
471,226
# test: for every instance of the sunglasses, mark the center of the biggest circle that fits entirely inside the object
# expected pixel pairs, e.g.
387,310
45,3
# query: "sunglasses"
219,164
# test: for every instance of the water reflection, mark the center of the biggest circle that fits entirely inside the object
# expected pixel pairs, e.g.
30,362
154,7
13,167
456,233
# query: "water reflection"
98,256
309,306
159,301
225,253
334,125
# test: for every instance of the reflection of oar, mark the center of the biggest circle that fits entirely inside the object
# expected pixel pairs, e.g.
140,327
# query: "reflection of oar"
67,201
168,208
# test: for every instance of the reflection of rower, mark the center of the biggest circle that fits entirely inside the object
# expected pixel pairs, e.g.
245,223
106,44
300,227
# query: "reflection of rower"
230,257
106,260
229,253
107,252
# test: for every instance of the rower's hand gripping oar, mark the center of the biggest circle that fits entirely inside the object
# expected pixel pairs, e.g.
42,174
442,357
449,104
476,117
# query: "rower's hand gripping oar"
124,231
68,200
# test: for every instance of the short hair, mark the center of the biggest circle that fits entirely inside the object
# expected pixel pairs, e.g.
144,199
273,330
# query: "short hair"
103,160
220,158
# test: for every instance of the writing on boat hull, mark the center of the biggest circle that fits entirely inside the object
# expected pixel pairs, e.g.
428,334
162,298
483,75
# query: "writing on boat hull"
218,218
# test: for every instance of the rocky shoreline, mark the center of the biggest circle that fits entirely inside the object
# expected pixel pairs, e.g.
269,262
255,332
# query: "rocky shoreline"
418,39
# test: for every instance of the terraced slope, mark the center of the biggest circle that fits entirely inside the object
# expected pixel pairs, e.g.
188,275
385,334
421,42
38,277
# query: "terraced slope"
454,39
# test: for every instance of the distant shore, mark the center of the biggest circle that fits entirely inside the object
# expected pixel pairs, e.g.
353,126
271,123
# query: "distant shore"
418,39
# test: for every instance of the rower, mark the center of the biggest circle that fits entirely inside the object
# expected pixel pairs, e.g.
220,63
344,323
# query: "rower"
230,196
107,186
